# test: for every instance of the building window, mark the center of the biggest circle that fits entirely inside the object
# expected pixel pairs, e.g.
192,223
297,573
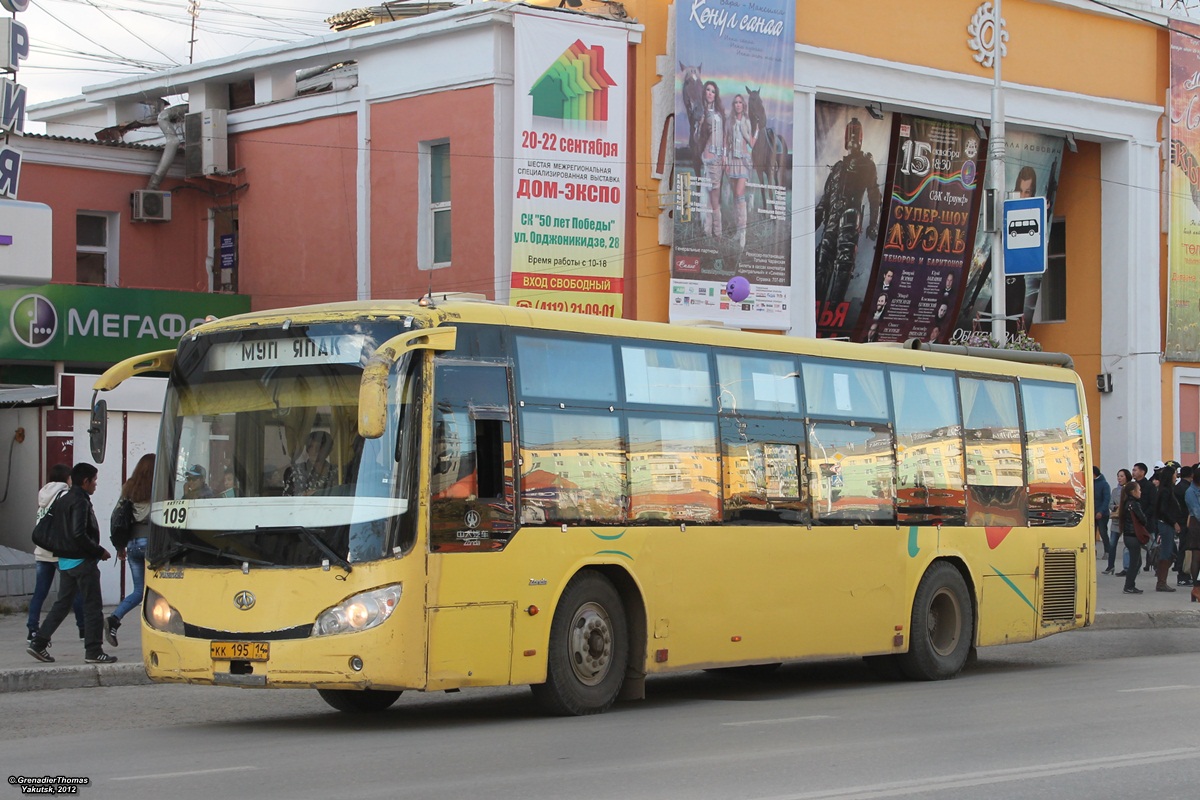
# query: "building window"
96,248
1052,298
433,229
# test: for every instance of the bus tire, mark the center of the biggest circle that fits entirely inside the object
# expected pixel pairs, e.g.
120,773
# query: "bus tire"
589,649
359,701
943,625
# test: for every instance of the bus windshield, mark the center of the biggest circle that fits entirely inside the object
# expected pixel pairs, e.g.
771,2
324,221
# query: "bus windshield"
260,459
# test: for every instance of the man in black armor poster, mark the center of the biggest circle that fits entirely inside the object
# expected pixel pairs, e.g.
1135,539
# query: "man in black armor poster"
847,211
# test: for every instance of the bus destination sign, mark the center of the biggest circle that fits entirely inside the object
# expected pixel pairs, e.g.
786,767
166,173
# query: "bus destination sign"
313,350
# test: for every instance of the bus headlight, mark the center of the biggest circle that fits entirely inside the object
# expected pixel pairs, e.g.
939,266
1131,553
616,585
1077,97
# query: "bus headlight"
358,613
160,615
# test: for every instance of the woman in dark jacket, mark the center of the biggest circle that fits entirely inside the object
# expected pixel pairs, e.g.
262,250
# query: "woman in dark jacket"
1131,509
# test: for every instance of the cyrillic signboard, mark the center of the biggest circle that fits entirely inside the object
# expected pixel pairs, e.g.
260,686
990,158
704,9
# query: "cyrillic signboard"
928,237
1183,191
733,165
569,165
100,324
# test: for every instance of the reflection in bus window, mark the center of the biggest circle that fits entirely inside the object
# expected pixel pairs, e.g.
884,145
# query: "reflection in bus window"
471,505
567,369
842,389
667,376
673,472
851,472
753,383
572,468
764,467
994,461
1053,453
929,457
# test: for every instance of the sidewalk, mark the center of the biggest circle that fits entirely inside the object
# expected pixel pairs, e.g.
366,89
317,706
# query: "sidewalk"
19,672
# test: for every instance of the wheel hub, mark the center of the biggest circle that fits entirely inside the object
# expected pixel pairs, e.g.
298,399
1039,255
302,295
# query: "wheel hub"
591,644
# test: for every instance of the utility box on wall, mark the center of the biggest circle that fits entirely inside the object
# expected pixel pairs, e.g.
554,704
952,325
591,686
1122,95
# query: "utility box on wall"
205,143
150,205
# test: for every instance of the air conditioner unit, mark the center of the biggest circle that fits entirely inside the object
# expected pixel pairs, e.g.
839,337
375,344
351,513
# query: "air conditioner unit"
205,143
151,206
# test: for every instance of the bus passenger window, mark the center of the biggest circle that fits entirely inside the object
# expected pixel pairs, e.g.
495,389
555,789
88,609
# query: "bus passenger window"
665,376
750,383
994,461
764,466
572,468
1053,453
561,369
929,452
471,502
673,473
851,472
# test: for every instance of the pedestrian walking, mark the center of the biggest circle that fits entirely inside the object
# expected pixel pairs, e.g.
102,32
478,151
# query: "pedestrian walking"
1132,515
47,563
1123,479
1182,565
1149,499
78,568
1191,538
137,491
1171,518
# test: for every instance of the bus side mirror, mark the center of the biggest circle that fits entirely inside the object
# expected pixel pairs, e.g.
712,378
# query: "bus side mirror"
98,430
372,391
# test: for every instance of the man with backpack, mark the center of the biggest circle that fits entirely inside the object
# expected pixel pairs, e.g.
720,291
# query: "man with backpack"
76,534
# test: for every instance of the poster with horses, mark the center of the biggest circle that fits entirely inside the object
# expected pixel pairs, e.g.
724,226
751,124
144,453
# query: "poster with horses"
731,258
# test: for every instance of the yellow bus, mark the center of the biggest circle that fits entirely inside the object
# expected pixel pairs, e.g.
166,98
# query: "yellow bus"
369,497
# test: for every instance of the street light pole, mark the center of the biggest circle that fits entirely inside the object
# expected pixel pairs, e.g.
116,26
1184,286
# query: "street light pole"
996,148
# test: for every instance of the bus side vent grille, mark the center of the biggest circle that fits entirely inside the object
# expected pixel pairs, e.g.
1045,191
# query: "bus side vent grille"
1059,586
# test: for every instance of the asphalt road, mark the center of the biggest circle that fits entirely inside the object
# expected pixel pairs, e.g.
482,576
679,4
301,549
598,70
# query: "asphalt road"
1086,715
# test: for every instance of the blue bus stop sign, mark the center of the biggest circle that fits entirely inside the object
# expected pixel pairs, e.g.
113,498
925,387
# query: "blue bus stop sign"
1025,236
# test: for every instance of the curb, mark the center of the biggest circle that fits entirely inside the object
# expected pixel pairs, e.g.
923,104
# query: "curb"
1124,620
30,679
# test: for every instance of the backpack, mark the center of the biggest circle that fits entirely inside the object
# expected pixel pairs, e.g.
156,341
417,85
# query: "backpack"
120,525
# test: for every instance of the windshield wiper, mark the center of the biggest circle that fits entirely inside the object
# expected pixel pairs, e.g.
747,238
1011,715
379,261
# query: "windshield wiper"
309,535
183,547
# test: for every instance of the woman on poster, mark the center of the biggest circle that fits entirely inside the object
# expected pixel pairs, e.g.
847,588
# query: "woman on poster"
712,156
739,147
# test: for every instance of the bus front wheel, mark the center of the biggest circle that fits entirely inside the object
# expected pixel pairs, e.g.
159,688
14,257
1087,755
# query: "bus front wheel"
943,624
589,649
364,701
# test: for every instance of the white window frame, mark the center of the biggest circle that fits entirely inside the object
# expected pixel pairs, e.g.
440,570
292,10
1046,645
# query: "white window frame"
111,249
426,208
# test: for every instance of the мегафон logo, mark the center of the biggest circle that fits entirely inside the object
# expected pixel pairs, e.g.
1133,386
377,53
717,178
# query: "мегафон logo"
33,320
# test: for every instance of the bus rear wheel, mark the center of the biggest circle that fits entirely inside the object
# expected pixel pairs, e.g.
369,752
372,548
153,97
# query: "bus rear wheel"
943,624
589,649
364,701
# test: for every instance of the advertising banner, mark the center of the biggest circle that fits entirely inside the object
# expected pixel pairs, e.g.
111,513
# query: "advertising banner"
1183,238
1031,167
852,154
59,322
731,260
569,166
929,232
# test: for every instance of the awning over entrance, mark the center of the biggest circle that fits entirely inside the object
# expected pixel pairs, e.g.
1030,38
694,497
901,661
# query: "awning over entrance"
28,396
